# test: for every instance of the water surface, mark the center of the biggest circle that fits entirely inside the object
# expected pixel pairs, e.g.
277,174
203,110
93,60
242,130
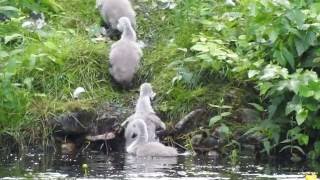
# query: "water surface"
123,166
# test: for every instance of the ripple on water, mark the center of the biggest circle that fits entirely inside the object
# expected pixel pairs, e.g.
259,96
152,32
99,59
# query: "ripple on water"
122,166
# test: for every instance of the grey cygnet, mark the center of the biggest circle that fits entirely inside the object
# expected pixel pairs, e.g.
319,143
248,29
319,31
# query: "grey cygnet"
145,112
125,55
141,146
112,10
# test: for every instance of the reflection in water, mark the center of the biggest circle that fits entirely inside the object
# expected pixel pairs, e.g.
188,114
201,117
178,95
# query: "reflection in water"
124,166
149,166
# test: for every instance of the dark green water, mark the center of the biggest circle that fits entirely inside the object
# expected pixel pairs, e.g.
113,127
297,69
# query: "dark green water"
123,166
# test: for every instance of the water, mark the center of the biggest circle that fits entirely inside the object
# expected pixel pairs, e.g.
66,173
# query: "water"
123,166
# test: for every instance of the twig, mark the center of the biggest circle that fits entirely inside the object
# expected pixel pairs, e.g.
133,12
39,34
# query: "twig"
105,136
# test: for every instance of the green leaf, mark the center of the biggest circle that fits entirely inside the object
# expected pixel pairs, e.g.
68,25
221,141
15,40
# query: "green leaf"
273,35
8,8
303,139
267,146
12,37
289,57
224,114
214,120
277,55
220,107
50,45
301,116
200,47
224,130
305,91
3,54
311,38
301,46
292,107
252,73
257,106
264,87
296,16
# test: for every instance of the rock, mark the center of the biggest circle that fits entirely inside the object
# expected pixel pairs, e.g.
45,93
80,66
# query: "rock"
248,115
73,123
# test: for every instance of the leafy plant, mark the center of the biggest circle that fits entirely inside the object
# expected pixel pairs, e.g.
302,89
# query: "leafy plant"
267,43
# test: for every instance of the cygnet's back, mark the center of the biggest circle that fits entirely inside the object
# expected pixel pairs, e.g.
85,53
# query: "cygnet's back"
112,10
125,55
145,112
155,149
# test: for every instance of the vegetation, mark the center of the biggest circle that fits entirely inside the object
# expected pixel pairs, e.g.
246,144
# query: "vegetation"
259,54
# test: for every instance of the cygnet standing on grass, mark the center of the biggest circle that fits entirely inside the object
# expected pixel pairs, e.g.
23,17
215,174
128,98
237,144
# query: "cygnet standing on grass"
125,55
112,10
141,147
145,112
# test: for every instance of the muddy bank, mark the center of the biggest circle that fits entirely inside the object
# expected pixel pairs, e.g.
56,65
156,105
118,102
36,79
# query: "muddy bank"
101,129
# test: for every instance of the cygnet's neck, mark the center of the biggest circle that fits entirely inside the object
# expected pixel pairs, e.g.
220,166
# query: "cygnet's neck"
142,128
144,105
128,33
142,135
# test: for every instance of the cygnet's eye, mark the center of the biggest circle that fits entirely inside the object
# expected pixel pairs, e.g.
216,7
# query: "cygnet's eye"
134,135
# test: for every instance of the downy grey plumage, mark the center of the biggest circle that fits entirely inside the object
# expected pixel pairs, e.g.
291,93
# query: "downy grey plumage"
125,55
141,147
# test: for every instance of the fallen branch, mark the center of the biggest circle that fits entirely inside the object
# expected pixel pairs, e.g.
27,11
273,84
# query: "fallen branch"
192,115
182,124
105,136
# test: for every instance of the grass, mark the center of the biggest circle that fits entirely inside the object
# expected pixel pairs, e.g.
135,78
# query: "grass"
73,60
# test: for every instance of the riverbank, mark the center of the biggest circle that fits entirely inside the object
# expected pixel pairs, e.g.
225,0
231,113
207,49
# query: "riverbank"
63,56
225,59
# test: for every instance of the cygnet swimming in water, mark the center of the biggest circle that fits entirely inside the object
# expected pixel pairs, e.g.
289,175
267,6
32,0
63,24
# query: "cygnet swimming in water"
145,112
125,55
141,146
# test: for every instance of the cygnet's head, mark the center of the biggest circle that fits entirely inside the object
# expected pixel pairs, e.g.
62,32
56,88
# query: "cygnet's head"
146,90
136,134
122,23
